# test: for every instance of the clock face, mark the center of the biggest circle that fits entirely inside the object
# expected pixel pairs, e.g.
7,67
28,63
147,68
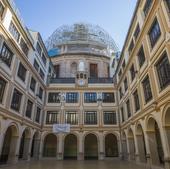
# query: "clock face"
81,82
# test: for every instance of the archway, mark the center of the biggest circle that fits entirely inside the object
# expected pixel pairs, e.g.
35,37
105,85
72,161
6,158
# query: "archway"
90,147
25,144
70,147
9,145
155,144
111,146
35,145
124,146
131,144
141,143
50,146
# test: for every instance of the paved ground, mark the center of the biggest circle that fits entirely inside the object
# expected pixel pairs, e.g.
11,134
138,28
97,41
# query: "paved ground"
52,164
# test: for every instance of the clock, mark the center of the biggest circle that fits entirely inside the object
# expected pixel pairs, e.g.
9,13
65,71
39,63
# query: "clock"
81,82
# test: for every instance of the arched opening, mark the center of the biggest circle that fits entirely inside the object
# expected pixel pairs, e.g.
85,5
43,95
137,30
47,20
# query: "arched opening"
111,146
131,144
155,144
25,144
70,147
90,147
124,146
50,146
9,145
141,143
35,145
73,69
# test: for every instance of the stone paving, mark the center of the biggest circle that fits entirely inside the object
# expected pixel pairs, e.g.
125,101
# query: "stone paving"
52,164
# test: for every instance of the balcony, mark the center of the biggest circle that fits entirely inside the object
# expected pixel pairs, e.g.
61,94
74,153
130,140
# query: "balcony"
62,80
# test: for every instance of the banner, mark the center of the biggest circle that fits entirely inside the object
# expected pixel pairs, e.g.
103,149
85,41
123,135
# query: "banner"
61,128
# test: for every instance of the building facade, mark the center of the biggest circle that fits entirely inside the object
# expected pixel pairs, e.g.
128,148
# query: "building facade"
71,82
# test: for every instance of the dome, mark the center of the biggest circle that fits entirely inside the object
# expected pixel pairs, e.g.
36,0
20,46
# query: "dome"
81,36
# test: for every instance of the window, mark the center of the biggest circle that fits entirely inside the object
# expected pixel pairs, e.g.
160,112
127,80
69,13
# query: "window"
131,46
29,109
38,47
168,4
36,65
132,72
13,30
57,70
147,6
90,118
42,75
22,72
72,98
141,56
53,98
71,118
44,59
6,55
163,70
93,71
52,117
90,97
33,84
38,114
110,118
120,92
122,114
40,93
125,84
147,89
137,31
136,100
16,100
24,47
154,33
128,109
108,98
2,88
1,9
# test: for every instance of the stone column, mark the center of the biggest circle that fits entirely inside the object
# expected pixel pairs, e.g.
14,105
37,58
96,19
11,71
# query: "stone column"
101,146
26,152
80,147
36,148
124,150
2,136
40,155
60,147
131,149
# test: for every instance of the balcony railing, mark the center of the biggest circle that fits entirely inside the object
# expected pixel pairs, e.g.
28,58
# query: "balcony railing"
62,80
100,80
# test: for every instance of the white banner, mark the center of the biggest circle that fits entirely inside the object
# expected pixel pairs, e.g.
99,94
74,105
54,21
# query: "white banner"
61,128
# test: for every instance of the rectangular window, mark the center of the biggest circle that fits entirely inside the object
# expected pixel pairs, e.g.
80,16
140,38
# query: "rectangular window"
24,47
53,98
132,72
16,100
108,98
136,100
40,93
38,47
128,108
28,112
44,59
141,56
147,7
52,117
72,98
6,55
93,71
33,84
90,97
110,118
36,65
22,72
147,89
154,33
90,118
131,46
122,114
57,70
125,84
71,118
137,31
1,9
163,70
13,30
2,88
38,114
42,75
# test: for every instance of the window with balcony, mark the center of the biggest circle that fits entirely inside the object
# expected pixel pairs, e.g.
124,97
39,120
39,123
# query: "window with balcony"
147,7
2,8
36,65
38,47
2,88
93,71
147,89
141,56
125,84
38,115
72,98
128,109
22,71
108,97
16,100
132,72
32,84
163,70
52,117
110,118
90,118
71,118
28,112
90,97
14,32
154,33
137,31
136,100
6,55
53,97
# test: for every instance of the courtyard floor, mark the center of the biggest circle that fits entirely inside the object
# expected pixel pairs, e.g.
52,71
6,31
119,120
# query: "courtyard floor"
52,164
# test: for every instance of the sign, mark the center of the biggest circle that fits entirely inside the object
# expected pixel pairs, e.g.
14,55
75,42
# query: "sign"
61,128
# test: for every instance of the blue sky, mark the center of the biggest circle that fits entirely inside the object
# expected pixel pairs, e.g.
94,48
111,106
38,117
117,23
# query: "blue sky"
47,15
